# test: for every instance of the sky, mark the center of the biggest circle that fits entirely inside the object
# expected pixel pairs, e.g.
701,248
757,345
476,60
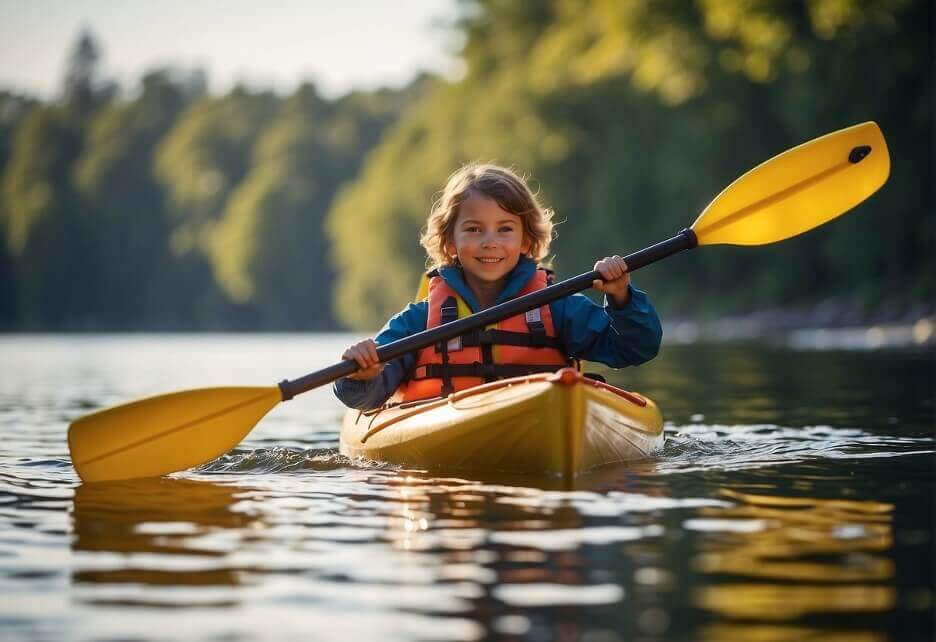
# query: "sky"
338,44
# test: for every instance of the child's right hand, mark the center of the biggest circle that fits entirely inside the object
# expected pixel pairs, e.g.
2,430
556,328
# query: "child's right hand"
365,354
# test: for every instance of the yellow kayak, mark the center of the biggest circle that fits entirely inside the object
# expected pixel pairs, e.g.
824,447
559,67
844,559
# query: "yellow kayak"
548,424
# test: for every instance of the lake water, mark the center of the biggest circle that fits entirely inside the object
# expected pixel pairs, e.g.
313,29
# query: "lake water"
793,501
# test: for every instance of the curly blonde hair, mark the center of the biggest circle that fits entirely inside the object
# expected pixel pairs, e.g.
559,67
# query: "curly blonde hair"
492,181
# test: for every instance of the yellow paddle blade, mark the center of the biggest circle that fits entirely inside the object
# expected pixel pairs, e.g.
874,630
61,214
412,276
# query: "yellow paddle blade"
799,189
167,433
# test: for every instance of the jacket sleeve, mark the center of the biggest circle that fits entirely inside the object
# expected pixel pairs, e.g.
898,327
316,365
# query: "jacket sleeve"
617,337
364,395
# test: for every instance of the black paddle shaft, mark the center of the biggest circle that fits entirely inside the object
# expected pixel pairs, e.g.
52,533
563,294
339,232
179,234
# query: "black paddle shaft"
685,240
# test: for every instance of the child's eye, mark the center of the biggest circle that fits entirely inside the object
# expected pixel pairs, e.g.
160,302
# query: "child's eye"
473,228
506,228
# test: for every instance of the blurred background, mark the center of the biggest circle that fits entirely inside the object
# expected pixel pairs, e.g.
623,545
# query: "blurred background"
234,166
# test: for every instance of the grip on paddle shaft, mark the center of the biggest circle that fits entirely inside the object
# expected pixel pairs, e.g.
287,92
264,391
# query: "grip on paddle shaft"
685,240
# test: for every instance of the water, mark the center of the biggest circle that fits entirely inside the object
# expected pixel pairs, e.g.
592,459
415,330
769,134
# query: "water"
794,500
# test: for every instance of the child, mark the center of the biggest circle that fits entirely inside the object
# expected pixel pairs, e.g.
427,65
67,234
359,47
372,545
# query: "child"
484,237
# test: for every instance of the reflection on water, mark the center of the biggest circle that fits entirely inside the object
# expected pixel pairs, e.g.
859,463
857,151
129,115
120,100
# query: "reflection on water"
781,509
831,556
154,532
885,392
774,602
482,556
769,633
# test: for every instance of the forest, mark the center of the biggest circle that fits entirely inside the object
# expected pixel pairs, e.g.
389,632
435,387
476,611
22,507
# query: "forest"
163,207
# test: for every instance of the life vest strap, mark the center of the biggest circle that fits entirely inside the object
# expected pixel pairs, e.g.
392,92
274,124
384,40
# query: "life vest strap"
449,314
534,323
503,338
480,370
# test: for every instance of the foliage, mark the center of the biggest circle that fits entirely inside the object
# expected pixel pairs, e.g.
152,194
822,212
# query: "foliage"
41,218
13,108
136,282
168,208
172,209
203,158
269,247
630,116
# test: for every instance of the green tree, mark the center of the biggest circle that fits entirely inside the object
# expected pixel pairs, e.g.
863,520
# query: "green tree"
83,91
630,116
138,280
45,233
270,250
13,108
204,157
48,235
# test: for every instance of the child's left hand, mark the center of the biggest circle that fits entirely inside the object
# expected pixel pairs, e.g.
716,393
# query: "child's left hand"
615,279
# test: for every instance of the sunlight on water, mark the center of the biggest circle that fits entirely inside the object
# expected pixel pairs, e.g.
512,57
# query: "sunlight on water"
776,511
921,333
712,447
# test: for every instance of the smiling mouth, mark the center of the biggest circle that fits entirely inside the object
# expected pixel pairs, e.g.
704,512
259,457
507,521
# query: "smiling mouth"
489,260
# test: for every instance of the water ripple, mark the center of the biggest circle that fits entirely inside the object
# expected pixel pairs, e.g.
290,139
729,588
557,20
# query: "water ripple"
276,460
760,526
701,447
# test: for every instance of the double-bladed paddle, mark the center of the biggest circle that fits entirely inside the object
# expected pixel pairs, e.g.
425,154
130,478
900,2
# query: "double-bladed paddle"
789,194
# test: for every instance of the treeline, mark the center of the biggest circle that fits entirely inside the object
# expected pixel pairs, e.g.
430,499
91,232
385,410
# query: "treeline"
632,116
175,209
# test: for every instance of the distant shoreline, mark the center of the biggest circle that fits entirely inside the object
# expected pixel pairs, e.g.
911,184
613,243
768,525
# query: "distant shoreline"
797,329
825,326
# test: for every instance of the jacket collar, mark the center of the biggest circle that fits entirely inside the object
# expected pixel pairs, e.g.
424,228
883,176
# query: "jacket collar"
454,276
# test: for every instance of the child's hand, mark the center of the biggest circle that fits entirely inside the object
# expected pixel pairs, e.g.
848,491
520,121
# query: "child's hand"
365,354
615,279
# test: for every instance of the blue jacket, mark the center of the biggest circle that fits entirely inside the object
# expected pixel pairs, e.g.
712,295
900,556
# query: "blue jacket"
617,337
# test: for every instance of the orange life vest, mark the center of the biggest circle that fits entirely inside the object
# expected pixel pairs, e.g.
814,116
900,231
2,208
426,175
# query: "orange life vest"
523,344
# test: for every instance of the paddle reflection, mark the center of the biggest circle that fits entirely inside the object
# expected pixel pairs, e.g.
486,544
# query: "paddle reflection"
796,558
178,520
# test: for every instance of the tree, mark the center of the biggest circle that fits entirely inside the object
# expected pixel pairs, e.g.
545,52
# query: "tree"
13,108
82,89
631,116
138,282
203,158
270,249
45,233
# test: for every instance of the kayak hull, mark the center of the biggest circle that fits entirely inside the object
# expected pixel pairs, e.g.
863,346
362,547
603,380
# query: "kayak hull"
551,424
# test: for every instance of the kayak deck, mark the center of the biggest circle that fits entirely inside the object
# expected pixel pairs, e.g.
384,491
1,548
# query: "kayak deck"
549,424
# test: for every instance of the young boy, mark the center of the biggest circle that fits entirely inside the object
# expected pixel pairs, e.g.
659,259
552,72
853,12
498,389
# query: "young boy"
484,237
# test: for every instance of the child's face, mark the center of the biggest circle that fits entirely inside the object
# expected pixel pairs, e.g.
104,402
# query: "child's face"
488,240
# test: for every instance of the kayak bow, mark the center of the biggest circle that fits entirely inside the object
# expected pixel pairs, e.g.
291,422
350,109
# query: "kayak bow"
561,424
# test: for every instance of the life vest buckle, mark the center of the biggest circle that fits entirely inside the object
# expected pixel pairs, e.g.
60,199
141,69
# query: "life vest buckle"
534,323
453,345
